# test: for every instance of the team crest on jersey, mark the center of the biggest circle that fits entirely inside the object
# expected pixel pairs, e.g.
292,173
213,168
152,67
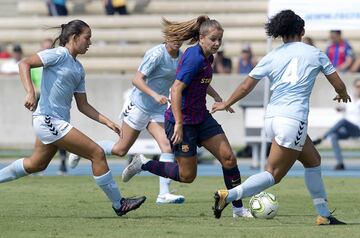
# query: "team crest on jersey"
185,148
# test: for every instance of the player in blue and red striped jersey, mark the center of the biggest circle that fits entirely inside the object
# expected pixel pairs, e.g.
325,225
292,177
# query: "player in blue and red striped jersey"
339,51
188,123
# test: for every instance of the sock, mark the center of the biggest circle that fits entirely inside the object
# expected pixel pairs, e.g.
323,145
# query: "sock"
232,179
163,169
253,185
13,171
164,183
316,188
106,145
110,188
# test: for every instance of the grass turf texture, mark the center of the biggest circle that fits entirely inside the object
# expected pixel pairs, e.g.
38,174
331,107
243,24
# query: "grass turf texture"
75,207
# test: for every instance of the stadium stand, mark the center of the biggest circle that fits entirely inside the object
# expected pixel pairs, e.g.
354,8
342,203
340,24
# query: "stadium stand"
119,39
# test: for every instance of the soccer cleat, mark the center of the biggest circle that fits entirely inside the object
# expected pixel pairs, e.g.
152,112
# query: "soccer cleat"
129,204
73,160
330,220
317,141
133,168
169,198
339,167
242,212
62,169
220,202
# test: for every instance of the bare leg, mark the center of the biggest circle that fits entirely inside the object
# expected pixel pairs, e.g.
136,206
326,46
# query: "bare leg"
128,139
38,161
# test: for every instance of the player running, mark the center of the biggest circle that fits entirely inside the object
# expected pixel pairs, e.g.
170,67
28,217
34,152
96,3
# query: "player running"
292,69
63,78
188,123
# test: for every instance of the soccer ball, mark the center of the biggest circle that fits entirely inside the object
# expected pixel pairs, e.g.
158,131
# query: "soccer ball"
264,205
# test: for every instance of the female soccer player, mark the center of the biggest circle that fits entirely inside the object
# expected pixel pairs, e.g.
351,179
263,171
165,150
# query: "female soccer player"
292,69
146,108
188,123
63,77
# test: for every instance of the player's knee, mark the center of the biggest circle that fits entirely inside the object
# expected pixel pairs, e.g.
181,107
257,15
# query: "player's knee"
98,154
277,175
35,167
187,178
119,151
229,161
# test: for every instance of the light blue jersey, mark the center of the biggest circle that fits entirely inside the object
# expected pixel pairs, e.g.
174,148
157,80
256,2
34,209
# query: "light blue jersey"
159,68
62,76
292,69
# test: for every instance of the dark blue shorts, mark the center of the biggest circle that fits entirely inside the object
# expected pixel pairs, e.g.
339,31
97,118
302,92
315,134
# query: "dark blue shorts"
193,135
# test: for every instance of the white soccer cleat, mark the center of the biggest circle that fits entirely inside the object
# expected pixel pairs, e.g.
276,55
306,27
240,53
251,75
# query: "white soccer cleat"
73,160
133,168
169,198
242,212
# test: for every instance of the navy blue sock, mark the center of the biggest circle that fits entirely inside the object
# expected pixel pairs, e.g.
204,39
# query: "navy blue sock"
232,179
163,169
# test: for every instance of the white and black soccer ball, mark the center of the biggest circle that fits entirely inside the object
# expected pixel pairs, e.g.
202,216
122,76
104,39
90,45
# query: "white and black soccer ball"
264,205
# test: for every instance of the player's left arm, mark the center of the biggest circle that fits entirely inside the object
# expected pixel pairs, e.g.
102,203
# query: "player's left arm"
212,92
88,110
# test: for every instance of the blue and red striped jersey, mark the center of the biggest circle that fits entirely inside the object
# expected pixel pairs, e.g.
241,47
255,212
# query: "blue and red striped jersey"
337,53
195,71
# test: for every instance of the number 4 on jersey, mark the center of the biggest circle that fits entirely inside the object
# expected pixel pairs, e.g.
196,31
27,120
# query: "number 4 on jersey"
290,75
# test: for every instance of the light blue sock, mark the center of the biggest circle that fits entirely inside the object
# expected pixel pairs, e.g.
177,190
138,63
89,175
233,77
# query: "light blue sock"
316,188
251,186
13,171
164,183
106,145
110,188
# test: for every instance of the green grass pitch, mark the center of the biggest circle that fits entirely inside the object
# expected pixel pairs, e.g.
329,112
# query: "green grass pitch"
75,207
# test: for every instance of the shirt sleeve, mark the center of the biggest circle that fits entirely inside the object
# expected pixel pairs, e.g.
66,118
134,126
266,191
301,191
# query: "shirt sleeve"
150,61
326,66
188,68
51,56
262,69
81,86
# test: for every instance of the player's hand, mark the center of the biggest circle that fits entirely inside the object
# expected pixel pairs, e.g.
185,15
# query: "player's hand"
30,101
116,128
177,136
218,106
219,100
344,98
161,99
230,109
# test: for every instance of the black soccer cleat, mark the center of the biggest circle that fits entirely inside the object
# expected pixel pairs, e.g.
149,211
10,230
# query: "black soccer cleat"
129,204
331,220
317,141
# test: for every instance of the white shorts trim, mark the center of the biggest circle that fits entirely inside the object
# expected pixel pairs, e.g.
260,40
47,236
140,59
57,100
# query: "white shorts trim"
49,129
287,132
138,119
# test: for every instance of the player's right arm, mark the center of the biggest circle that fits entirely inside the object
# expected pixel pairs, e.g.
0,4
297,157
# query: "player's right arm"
176,95
24,71
139,82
